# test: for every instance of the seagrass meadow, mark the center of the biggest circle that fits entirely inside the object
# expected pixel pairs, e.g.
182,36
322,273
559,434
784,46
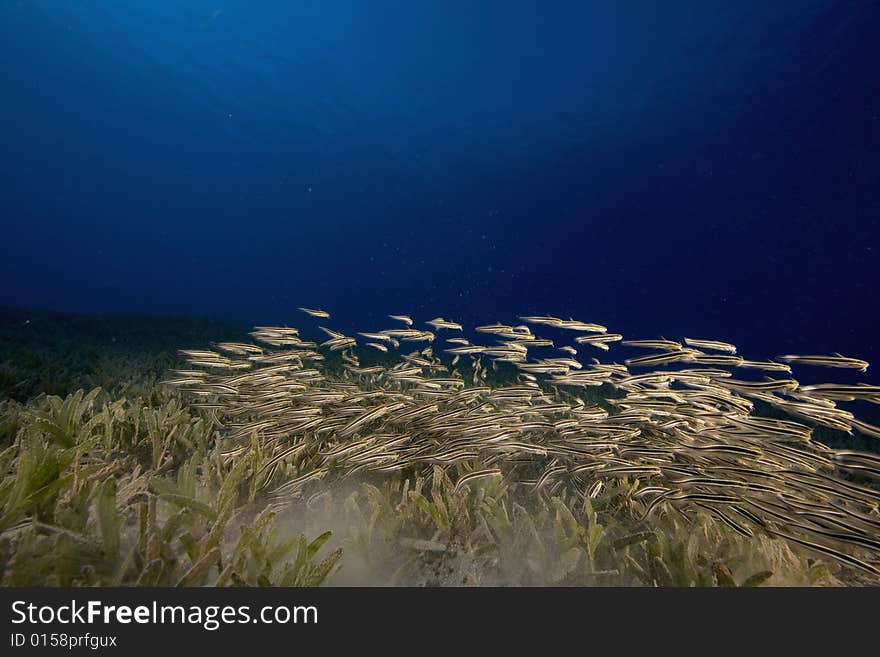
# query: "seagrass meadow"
139,451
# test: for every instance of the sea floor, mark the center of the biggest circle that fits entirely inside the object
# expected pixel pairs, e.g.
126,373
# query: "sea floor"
110,477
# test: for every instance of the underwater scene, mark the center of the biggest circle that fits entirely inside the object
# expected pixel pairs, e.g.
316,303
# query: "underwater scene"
439,294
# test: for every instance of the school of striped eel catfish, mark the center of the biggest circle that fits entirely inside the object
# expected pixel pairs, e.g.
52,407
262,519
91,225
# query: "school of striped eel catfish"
676,418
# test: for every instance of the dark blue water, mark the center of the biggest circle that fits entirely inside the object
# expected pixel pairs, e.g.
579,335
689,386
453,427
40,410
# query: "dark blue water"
705,168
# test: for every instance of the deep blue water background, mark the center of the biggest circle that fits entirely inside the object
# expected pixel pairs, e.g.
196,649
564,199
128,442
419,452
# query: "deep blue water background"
705,168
